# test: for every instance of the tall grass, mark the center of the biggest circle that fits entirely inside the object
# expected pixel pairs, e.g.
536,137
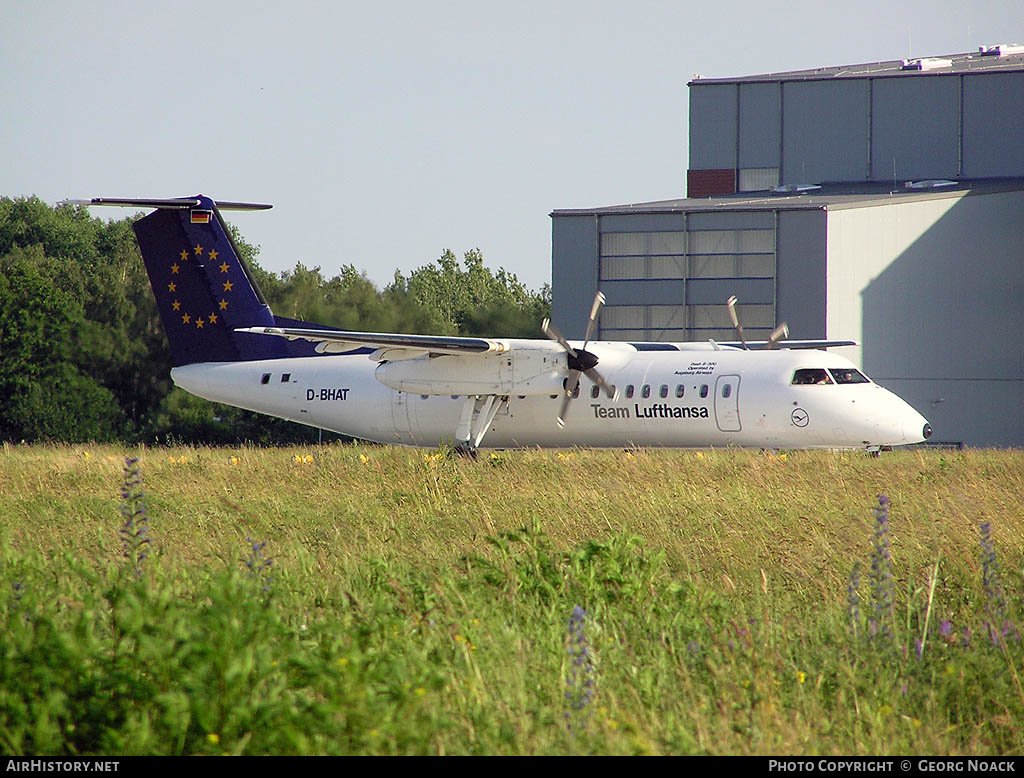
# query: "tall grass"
355,599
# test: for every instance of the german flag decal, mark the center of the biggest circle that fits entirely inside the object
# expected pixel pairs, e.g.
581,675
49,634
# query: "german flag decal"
201,217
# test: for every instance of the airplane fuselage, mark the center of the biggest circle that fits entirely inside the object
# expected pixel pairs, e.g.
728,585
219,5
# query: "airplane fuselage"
691,396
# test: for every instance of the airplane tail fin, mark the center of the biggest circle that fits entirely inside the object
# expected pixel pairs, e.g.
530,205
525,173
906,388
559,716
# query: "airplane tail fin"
203,288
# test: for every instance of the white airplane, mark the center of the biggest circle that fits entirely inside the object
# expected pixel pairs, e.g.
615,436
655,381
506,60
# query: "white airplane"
423,390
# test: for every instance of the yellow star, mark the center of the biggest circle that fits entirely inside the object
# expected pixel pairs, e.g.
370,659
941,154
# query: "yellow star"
175,268
199,250
227,286
212,254
186,319
223,304
224,267
172,287
176,305
184,255
199,323
213,318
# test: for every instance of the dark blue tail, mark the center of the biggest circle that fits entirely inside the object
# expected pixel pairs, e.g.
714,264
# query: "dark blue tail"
203,289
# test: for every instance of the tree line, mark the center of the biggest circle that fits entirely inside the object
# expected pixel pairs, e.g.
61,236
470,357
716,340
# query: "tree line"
83,355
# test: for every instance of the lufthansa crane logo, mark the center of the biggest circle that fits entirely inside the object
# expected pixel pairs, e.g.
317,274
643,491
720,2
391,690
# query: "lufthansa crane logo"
799,417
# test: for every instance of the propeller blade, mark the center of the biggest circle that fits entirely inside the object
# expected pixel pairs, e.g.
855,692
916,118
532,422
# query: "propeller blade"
780,332
572,384
578,362
549,329
599,300
731,305
597,378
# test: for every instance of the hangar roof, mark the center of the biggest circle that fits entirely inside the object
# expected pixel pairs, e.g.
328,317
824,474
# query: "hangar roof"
999,58
827,197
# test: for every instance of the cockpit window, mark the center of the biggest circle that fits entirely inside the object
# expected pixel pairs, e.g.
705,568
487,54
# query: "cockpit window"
847,375
811,375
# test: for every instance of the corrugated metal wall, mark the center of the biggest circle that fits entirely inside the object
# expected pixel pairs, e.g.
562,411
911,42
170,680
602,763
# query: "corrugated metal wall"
825,131
666,276
915,128
993,125
932,289
856,129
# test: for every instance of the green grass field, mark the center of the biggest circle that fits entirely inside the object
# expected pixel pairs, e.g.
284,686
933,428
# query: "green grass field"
731,602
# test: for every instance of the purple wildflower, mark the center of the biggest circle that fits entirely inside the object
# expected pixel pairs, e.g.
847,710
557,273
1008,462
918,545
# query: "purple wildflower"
994,595
883,591
579,685
135,529
946,629
259,565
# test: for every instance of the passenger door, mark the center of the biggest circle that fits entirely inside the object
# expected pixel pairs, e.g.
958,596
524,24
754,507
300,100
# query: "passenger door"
727,403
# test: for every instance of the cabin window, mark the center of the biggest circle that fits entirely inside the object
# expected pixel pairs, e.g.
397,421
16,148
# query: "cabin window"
286,377
663,391
703,390
680,390
646,391
811,375
726,391
847,375
424,396
629,392
595,390
265,379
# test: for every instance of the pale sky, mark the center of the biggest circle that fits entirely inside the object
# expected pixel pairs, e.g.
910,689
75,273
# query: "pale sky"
386,132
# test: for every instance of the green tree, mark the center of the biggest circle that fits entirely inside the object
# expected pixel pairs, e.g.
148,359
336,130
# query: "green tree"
43,395
474,300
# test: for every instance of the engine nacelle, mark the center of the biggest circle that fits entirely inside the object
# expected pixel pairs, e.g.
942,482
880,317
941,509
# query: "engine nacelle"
536,370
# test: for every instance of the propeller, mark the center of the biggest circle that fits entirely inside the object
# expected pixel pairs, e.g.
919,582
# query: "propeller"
778,333
579,360
731,305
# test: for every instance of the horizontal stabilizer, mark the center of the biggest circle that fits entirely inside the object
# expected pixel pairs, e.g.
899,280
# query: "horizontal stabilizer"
172,203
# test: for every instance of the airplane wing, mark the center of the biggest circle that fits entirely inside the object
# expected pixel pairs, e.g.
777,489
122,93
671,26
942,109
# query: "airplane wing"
794,344
335,341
